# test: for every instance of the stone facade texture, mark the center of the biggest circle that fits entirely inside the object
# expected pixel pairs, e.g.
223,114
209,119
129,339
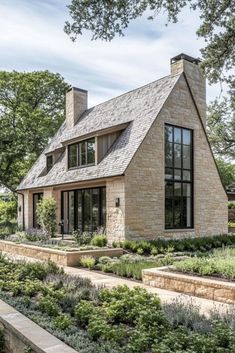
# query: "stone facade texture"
76,104
144,179
213,289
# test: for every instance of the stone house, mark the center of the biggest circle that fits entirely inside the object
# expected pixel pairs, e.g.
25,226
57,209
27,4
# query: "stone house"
139,165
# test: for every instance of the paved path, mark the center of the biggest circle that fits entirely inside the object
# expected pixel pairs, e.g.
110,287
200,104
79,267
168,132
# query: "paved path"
109,281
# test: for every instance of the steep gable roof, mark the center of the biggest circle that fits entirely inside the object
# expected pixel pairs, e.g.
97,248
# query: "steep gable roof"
139,107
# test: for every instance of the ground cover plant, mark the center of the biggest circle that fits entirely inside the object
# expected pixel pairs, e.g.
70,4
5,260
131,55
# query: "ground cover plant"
159,246
220,264
127,265
120,320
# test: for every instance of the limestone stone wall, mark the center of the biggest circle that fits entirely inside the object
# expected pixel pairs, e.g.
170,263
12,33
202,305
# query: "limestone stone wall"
115,219
76,104
144,179
196,82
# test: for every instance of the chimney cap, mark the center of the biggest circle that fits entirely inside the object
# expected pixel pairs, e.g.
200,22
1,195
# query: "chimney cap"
185,57
76,89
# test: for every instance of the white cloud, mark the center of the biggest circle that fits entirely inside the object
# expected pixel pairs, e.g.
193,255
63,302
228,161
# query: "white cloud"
33,39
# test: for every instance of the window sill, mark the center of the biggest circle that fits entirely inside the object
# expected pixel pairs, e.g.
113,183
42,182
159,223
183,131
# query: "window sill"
179,230
82,166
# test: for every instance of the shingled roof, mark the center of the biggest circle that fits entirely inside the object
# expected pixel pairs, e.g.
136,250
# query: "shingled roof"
139,107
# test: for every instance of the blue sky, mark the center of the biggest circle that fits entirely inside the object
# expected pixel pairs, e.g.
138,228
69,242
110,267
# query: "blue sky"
32,38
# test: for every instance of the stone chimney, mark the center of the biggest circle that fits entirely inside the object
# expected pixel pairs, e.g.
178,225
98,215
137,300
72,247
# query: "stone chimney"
190,67
76,104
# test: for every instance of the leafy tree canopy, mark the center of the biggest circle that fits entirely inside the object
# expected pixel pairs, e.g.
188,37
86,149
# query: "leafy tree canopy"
106,19
221,127
31,110
227,171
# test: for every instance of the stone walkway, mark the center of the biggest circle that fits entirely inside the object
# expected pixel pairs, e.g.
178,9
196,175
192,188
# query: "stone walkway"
109,281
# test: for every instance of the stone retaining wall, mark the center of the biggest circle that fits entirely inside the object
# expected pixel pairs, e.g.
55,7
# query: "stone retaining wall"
21,333
60,257
222,291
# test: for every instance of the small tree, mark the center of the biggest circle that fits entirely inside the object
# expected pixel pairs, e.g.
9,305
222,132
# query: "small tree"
46,213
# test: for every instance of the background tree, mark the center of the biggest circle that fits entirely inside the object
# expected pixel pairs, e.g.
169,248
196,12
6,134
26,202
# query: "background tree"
227,172
106,19
31,110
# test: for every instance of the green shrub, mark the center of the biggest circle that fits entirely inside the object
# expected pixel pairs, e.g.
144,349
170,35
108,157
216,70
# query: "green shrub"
82,238
46,213
221,263
231,205
87,261
46,305
99,240
161,246
62,322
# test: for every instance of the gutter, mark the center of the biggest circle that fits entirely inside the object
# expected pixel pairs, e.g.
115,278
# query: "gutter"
23,223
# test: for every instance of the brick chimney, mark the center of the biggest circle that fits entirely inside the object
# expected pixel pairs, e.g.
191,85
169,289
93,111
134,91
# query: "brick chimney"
196,80
76,104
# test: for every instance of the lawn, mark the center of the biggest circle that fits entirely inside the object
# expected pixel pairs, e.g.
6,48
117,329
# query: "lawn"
221,263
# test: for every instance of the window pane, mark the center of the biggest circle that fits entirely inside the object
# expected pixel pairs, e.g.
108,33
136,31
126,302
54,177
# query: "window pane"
186,212
169,173
87,210
177,155
79,210
49,162
177,211
168,133
168,155
186,157
95,209
186,137
186,175
71,211
186,189
72,156
168,205
177,174
177,135
177,189
91,151
103,210
83,153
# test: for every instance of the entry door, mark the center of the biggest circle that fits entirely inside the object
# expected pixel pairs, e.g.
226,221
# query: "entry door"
84,209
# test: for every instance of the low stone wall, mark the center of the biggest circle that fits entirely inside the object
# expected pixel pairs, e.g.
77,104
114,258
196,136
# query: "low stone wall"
213,289
21,333
60,257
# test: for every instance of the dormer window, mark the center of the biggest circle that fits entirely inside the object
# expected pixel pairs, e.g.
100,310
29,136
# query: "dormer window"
49,163
81,153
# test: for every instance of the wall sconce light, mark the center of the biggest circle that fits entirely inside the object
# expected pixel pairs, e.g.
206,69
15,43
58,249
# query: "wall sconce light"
117,202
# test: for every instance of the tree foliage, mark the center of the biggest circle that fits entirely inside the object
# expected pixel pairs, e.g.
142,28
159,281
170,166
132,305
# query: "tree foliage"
46,213
31,110
221,127
227,171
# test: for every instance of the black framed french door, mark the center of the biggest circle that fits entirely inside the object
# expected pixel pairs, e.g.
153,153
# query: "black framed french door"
83,209
36,198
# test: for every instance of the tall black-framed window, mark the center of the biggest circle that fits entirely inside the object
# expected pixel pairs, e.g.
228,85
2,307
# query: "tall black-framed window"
83,209
178,177
81,153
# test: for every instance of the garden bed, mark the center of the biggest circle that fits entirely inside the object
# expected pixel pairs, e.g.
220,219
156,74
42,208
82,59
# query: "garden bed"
18,338
214,289
60,257
120,320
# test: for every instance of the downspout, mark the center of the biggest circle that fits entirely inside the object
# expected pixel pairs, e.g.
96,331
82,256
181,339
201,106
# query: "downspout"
23,225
